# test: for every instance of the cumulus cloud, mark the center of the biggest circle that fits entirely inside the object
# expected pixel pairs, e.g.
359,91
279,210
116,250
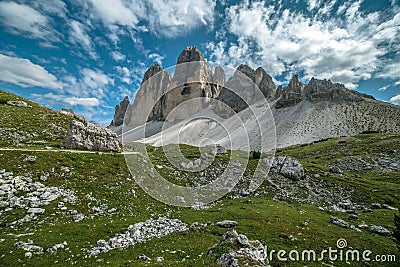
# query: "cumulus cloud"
156,58
395,100
161,17
69,100
174,18
117,56
24,73
95,78
57,7
23,20
78,35
344,49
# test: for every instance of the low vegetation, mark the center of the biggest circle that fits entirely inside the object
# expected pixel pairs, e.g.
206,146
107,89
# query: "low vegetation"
103,179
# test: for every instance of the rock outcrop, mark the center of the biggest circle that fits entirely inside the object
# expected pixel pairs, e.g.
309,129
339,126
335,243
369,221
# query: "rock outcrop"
235,249
120,111
90,137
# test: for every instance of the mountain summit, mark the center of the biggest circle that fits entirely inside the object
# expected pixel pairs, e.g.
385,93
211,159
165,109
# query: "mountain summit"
302,113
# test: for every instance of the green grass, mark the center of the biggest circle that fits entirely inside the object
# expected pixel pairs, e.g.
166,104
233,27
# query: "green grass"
106,177
36,127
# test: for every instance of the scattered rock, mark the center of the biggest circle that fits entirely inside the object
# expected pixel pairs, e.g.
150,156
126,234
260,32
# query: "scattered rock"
29,246
385,206
140,232
30,159
21,192
21,104
226,224
352,227
376,206
335,169
36,210
339,222
380,230
143,257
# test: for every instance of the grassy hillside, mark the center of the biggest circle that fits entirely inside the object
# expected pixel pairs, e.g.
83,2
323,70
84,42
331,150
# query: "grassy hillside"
103,179
34,127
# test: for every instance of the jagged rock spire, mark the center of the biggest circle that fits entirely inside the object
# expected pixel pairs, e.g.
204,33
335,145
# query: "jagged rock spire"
190,54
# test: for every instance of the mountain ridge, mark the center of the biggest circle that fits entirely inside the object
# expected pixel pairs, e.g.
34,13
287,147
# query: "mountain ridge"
297,108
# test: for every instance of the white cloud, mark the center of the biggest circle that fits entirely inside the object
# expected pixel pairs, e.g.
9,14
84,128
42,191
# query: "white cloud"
161,17
24,73
24,20
95,78
115,12
395,100
383,88
156,58
175,18
312,4
70,100
56,7
117,56
78,35
344,49
83,101
391,71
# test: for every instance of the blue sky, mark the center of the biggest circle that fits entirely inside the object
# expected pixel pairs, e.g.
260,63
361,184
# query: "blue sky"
87,55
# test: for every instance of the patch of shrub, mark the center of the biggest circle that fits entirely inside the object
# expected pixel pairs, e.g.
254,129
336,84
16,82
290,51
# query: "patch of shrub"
3,100
256,154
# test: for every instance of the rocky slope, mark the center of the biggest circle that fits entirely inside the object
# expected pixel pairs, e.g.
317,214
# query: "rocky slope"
26,123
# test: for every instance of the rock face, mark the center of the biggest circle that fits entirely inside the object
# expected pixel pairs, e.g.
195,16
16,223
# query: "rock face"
90,137
240,90
192,80
119,113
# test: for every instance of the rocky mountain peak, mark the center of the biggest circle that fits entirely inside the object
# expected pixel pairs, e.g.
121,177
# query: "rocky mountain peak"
295,83
154,69
119,113
190,54
263,80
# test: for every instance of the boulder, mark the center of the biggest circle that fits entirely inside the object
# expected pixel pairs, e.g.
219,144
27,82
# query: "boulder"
226,224
380,230
286,166
90,137
339,222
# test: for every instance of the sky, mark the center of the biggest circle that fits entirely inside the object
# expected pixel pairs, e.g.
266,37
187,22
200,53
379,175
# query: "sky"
88,55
